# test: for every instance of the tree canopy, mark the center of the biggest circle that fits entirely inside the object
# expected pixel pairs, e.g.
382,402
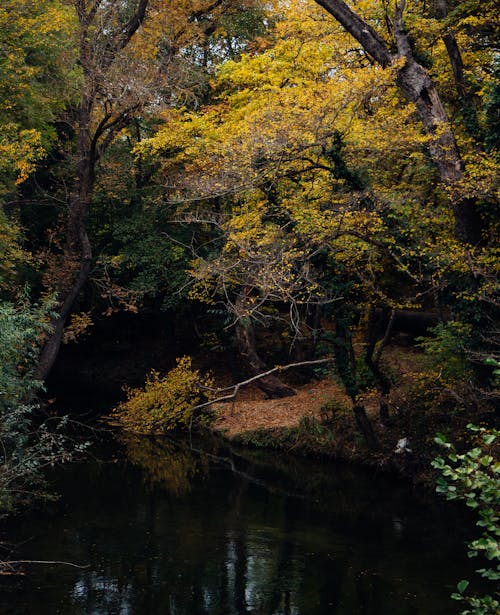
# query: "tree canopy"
291,178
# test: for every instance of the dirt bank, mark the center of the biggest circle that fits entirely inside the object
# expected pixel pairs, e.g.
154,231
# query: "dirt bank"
252,412
319,421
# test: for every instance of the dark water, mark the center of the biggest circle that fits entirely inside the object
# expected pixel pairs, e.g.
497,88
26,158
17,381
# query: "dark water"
167,531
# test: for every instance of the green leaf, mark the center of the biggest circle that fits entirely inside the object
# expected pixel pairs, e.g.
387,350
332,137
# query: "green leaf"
462,585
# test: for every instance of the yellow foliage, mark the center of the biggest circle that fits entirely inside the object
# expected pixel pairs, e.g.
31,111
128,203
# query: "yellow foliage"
11,254
79,324
20,150
163,463
270,123
165,402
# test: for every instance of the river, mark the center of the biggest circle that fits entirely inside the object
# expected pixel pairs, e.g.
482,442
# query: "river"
166,530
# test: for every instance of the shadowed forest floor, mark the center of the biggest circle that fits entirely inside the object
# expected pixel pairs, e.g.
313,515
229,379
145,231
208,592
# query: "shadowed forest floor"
319,400
318,420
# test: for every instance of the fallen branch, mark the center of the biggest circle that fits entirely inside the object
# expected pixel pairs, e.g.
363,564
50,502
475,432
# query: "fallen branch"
236,387
11,563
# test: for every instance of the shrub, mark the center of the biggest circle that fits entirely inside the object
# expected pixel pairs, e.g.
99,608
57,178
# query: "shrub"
442,384
27,447
473,477
446,352
165,403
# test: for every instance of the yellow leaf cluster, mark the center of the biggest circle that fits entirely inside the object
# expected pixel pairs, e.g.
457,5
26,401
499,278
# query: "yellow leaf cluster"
165,402
78,325
20,150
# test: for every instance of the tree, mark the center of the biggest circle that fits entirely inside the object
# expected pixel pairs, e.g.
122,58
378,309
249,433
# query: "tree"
132,57
33,53
417,85
269,140
310,169
101,114
35,60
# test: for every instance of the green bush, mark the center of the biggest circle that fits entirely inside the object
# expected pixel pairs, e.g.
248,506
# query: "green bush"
446,352
473,477
27,449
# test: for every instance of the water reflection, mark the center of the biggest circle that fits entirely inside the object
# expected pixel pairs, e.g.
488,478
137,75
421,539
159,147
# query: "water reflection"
164,462
224,531
93,589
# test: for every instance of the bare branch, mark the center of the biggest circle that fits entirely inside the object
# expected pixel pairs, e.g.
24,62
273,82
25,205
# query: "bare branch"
402,41
34,561
132,25
239,385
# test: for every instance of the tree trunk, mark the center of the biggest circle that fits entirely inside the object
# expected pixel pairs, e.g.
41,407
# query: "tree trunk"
271,385
344,360
57,323
417,85
465,94
78,249
365,426
372,360
77,256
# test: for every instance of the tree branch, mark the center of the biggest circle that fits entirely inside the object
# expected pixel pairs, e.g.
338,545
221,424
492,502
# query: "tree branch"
239,385
371,42
202,12
119,40
34,561
404,47
132,25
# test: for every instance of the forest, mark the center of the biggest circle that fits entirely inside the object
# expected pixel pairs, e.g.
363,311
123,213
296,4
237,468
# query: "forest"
271,220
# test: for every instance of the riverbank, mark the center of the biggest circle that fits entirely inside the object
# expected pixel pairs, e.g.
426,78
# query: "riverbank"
319,422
